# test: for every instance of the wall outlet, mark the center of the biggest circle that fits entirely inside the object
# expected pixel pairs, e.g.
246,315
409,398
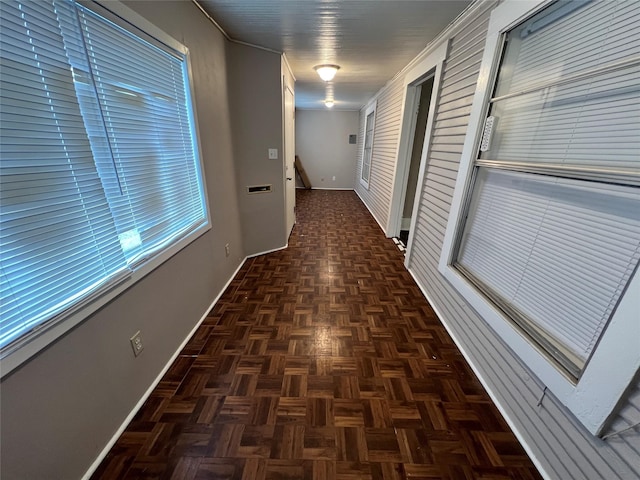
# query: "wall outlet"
226,249
273,154
333,178
136,343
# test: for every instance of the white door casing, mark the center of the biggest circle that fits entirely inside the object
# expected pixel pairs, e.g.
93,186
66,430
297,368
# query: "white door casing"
289,157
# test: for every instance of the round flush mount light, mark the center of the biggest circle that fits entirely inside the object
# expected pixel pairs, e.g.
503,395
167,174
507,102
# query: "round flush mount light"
327,71
329,103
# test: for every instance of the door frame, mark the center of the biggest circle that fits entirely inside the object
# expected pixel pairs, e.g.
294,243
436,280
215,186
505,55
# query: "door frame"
431,65
289,136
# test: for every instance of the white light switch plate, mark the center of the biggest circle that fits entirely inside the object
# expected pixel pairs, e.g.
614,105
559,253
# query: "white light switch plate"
273,154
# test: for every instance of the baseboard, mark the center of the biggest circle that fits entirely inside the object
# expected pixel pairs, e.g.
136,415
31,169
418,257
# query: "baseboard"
330,188
384,230
267,251
154,384
487,386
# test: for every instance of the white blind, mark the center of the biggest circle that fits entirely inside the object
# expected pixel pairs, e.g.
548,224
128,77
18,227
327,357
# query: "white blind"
58,239
560,251
99,164
143,101
572,88
552,233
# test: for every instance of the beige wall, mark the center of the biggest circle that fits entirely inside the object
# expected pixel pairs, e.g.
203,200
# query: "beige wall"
322,143
255,89
61,408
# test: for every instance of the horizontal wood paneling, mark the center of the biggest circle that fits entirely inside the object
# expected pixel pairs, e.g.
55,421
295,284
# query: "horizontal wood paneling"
563,448
383,159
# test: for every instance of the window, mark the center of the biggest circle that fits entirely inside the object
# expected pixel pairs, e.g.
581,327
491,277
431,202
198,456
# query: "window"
549,231
100,176
370,114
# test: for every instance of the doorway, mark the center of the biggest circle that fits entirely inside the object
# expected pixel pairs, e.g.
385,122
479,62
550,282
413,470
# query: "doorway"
423,96
422,85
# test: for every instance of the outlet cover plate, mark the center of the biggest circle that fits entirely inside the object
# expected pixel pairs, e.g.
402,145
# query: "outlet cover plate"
136,343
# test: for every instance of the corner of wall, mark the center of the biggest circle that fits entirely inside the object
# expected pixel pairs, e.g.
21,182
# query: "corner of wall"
255,105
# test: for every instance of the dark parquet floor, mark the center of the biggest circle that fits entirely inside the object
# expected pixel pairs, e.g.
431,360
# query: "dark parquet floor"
322,361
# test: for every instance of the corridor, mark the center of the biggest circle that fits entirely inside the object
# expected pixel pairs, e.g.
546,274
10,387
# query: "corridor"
320,361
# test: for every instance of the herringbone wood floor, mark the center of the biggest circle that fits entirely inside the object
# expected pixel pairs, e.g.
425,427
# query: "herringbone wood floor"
321,361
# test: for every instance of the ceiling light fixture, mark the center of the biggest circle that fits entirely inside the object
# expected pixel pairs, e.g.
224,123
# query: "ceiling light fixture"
329,103
327,71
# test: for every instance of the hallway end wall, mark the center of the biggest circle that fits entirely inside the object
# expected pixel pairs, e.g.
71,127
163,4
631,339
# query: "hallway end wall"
322,143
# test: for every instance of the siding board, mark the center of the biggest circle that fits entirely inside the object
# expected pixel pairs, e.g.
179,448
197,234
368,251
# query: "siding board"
450,112
386,136
458,97
461,68
560,445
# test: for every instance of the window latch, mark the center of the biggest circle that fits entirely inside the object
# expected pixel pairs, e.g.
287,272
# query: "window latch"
487,133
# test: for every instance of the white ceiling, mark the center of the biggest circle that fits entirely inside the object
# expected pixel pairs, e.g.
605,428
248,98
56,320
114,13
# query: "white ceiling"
371,40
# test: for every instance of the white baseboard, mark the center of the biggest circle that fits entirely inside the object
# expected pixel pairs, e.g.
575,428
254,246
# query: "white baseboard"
154,384
329,188
384,230
266,251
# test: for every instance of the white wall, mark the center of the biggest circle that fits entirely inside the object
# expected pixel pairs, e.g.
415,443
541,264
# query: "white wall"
322,143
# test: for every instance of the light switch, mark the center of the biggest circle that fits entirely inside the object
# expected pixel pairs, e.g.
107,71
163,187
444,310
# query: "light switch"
273,154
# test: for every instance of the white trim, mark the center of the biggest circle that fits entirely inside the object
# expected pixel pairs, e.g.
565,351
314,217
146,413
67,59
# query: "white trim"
410,102
515,428
268,251
371,108
499,16
253,45
327,188
123,16
286,63
437,56
616,359
433,62
220,29
604,382
286,87
426,151
233,40
105,451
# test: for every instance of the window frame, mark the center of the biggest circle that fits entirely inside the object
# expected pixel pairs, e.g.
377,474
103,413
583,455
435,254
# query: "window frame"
25,347
371,109
616,360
